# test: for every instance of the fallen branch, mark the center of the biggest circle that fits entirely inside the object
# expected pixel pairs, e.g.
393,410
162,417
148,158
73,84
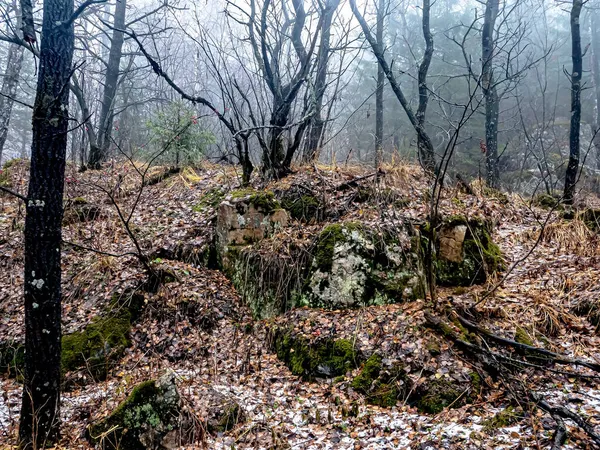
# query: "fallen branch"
556,357
565,413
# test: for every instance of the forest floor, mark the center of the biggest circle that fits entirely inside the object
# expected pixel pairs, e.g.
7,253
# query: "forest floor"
229,352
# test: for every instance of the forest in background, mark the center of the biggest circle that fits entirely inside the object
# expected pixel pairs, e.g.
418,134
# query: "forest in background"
299,224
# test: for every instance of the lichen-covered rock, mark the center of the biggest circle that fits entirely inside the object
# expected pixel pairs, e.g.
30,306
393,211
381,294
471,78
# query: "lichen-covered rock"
246,217
466,253
152,417
356,266
324,358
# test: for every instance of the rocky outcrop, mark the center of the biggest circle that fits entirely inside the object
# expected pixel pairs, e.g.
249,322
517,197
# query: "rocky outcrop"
466,254
246,217
152,417
357,266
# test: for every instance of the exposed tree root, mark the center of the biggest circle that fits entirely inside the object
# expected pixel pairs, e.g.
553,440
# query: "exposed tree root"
495,363
547,354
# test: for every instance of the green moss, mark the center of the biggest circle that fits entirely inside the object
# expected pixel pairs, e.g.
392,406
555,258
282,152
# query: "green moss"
591,218
261,200
522,337
381,387
210,199
330,236
145,407
231,417
438,395
326,358
368,374
475,385
503,419
98,346
305,207
79,201
547,201
11,162
481,256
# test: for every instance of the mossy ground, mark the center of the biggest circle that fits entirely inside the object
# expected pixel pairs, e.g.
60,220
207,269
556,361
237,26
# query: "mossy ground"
122,429
210,199
505,418
436,395
382,387
264,201
303,207
327,358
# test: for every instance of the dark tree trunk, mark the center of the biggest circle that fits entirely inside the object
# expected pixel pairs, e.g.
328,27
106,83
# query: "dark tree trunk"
39,421
314,139
425,151
99,151
492,102
577,57
14,62
379,88
596,79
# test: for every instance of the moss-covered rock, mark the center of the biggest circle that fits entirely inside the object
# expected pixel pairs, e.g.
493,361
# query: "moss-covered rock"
325,358
591,218
98,347
302,206
210,199
382,386
150,418
479,255
547,201
384,268
436,395
223,413
263,201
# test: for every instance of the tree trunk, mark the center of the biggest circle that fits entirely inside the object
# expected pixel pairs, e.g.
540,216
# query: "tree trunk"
596,79
379,89
99,152
314,139
425,151
577,57
39,420
492,102
9,90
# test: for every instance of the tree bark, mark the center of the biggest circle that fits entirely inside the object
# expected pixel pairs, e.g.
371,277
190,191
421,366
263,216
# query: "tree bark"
426,150
312,148
8,91
99,150
596,79
379,89
492,102
39,420
577,57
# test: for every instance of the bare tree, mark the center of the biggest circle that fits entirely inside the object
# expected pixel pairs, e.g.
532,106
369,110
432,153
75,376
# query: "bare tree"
576,75
39,421
314,139
99,148
380,85
8,91
492,102
424,143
